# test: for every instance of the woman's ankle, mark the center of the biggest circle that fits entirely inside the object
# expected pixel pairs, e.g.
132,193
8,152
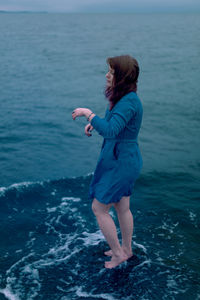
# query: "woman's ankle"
127,249
118,252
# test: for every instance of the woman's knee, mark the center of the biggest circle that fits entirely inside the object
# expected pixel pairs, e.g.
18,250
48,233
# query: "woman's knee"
123,205
122,210
94,207
99,208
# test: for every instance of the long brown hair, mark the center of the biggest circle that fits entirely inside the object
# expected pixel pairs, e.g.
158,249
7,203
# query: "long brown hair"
126,72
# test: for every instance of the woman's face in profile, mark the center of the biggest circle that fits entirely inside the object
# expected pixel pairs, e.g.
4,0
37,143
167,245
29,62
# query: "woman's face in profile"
110,77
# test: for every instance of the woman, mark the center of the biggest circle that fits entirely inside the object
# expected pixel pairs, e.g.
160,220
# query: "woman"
120,160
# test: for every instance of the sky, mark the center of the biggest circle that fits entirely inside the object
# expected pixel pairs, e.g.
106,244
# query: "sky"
103,6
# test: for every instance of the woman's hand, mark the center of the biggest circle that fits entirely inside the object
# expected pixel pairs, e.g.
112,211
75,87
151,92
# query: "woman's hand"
88,129
79,112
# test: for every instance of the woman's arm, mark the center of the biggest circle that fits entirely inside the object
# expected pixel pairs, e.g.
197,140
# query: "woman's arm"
121,115
88,129
80,112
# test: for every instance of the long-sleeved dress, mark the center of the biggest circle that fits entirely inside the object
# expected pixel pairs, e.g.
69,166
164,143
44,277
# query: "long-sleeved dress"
120,160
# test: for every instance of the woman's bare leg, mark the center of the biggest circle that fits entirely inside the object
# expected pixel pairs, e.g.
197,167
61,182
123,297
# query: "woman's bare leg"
109,231
125,218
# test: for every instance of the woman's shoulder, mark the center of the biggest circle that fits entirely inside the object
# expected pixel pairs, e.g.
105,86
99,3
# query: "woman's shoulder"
130,100
133,99
131,96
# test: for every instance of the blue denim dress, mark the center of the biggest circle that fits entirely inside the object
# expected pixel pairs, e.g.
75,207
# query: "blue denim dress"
120,161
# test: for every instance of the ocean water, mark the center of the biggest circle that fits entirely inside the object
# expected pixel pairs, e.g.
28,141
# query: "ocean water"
50,244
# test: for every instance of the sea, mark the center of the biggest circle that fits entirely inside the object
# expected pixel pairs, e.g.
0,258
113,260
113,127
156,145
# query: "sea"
51,247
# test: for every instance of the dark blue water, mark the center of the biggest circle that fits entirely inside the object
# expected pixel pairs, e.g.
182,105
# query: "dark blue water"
51,247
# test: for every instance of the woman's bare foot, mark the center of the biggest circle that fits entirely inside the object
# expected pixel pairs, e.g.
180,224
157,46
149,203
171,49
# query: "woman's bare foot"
128,252
116,261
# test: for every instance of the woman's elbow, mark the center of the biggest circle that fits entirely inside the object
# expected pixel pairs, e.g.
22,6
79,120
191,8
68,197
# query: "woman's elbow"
111,133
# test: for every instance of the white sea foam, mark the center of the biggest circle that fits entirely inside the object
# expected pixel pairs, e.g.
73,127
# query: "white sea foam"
140,246
28,275
30,243
2,191
51,209
28,270
54,192
71,199
146,262
19,251
88,174
91,239
55,260
19,186
169,227
29,267
9,294
65,205
173,286
192,216
80,293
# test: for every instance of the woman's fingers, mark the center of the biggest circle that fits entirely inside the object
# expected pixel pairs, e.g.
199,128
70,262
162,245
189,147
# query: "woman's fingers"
74,114
88,129
78,112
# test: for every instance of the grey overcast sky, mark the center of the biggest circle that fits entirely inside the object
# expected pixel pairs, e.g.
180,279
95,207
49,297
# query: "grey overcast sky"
101,5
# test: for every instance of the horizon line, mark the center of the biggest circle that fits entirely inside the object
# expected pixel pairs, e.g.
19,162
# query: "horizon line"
102,12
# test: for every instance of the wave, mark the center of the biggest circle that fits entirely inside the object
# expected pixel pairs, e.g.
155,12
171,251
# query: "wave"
147,179
52,247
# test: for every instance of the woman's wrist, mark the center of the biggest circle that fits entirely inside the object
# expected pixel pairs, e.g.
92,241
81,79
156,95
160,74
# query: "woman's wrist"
89,115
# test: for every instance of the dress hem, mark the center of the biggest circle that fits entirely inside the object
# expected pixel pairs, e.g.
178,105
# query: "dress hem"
106,203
